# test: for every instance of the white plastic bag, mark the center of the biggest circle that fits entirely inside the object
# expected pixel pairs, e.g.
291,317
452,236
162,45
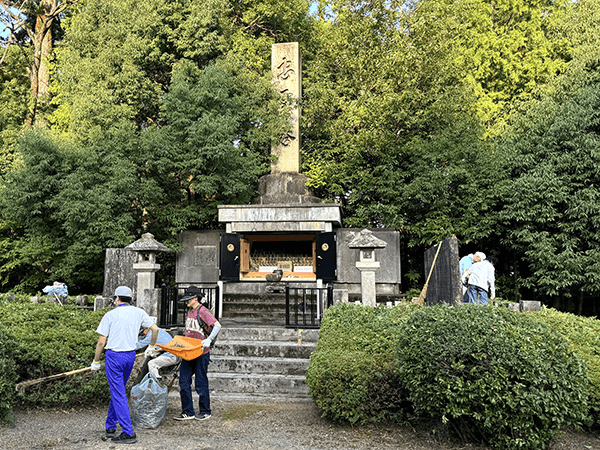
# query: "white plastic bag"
148,402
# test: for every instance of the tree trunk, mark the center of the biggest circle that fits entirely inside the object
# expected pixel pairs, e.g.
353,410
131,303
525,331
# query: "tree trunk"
38,71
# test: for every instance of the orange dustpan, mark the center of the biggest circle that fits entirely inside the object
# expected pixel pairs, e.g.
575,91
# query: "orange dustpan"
185,347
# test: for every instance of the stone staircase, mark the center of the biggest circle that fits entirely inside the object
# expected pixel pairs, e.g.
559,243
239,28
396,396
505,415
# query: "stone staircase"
261,361
255,355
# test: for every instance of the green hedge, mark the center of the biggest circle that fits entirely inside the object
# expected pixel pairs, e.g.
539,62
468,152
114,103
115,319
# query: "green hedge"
583,335
48,339
352,375
492,374
8,376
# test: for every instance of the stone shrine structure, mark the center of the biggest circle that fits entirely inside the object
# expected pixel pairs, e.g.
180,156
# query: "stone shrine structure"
286,227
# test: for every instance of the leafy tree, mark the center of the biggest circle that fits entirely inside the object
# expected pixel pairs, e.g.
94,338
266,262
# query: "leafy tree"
390,128
117,57
64,206
14,85
39,19
220,122
503,48
551,197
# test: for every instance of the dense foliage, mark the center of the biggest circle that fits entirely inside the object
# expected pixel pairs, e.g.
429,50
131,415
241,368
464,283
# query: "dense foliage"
8,376
435,118
352,375
583,336
550,201
48,339
492,374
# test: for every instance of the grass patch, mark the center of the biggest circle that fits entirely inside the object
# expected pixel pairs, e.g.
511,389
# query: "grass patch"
242,411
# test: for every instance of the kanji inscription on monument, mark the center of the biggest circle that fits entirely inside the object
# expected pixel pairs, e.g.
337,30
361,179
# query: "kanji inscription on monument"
286,68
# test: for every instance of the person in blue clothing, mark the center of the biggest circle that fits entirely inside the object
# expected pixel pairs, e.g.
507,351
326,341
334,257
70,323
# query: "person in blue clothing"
465,263
480,278
159,358
118,332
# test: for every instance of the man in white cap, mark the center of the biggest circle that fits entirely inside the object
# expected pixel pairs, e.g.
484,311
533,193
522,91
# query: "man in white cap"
480,277
118,332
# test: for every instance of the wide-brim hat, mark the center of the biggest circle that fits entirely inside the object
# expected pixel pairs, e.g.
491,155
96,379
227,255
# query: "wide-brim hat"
481,255
190,293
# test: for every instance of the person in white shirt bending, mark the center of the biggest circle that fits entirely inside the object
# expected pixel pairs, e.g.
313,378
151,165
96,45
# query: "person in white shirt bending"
480,278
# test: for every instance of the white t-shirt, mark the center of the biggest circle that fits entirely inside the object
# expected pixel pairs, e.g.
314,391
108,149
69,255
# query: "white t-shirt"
122,325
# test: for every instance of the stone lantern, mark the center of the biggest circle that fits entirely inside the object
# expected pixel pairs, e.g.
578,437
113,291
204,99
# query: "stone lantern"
146,268
366,243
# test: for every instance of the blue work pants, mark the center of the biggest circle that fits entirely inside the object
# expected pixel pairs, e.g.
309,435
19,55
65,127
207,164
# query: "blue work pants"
198,366
118,367
477,295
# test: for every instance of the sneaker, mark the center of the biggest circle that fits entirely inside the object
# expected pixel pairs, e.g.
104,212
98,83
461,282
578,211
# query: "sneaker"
203,417
125,438
110,433
184,416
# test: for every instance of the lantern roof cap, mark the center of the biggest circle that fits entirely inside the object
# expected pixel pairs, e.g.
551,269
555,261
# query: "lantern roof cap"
366,239
147,243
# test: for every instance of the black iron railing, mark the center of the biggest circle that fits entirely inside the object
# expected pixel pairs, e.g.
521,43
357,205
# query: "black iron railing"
172,313
304,307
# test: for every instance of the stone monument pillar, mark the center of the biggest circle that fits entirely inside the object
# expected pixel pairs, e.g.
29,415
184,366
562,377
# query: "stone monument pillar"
285,184
146,268
286,67
366,243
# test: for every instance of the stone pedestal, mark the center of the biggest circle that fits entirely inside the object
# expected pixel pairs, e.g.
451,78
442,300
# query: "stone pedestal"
146,278
367,281
366,242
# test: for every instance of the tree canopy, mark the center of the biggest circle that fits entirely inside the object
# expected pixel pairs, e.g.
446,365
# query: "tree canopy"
475,119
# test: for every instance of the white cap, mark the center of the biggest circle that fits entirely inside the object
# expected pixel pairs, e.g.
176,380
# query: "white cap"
123,291
481,255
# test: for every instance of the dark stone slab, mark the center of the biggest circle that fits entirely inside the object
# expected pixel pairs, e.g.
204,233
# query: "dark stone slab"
118,270
444,284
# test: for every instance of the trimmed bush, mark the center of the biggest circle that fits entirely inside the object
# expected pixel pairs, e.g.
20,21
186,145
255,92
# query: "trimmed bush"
8,376
583,335
492,374
352,375
48,339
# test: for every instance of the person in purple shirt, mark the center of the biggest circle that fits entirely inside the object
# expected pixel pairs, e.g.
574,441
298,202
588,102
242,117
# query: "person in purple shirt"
197,323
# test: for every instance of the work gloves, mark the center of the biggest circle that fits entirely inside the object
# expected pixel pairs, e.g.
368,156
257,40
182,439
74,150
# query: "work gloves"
95,366
206,343
150,351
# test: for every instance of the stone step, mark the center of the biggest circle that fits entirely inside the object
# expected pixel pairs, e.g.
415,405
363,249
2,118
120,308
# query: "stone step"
261,349
252,314
258,384
254,298
237,333
250,306
243,365
243,321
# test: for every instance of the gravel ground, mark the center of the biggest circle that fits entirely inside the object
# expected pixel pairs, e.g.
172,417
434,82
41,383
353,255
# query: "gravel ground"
236,424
